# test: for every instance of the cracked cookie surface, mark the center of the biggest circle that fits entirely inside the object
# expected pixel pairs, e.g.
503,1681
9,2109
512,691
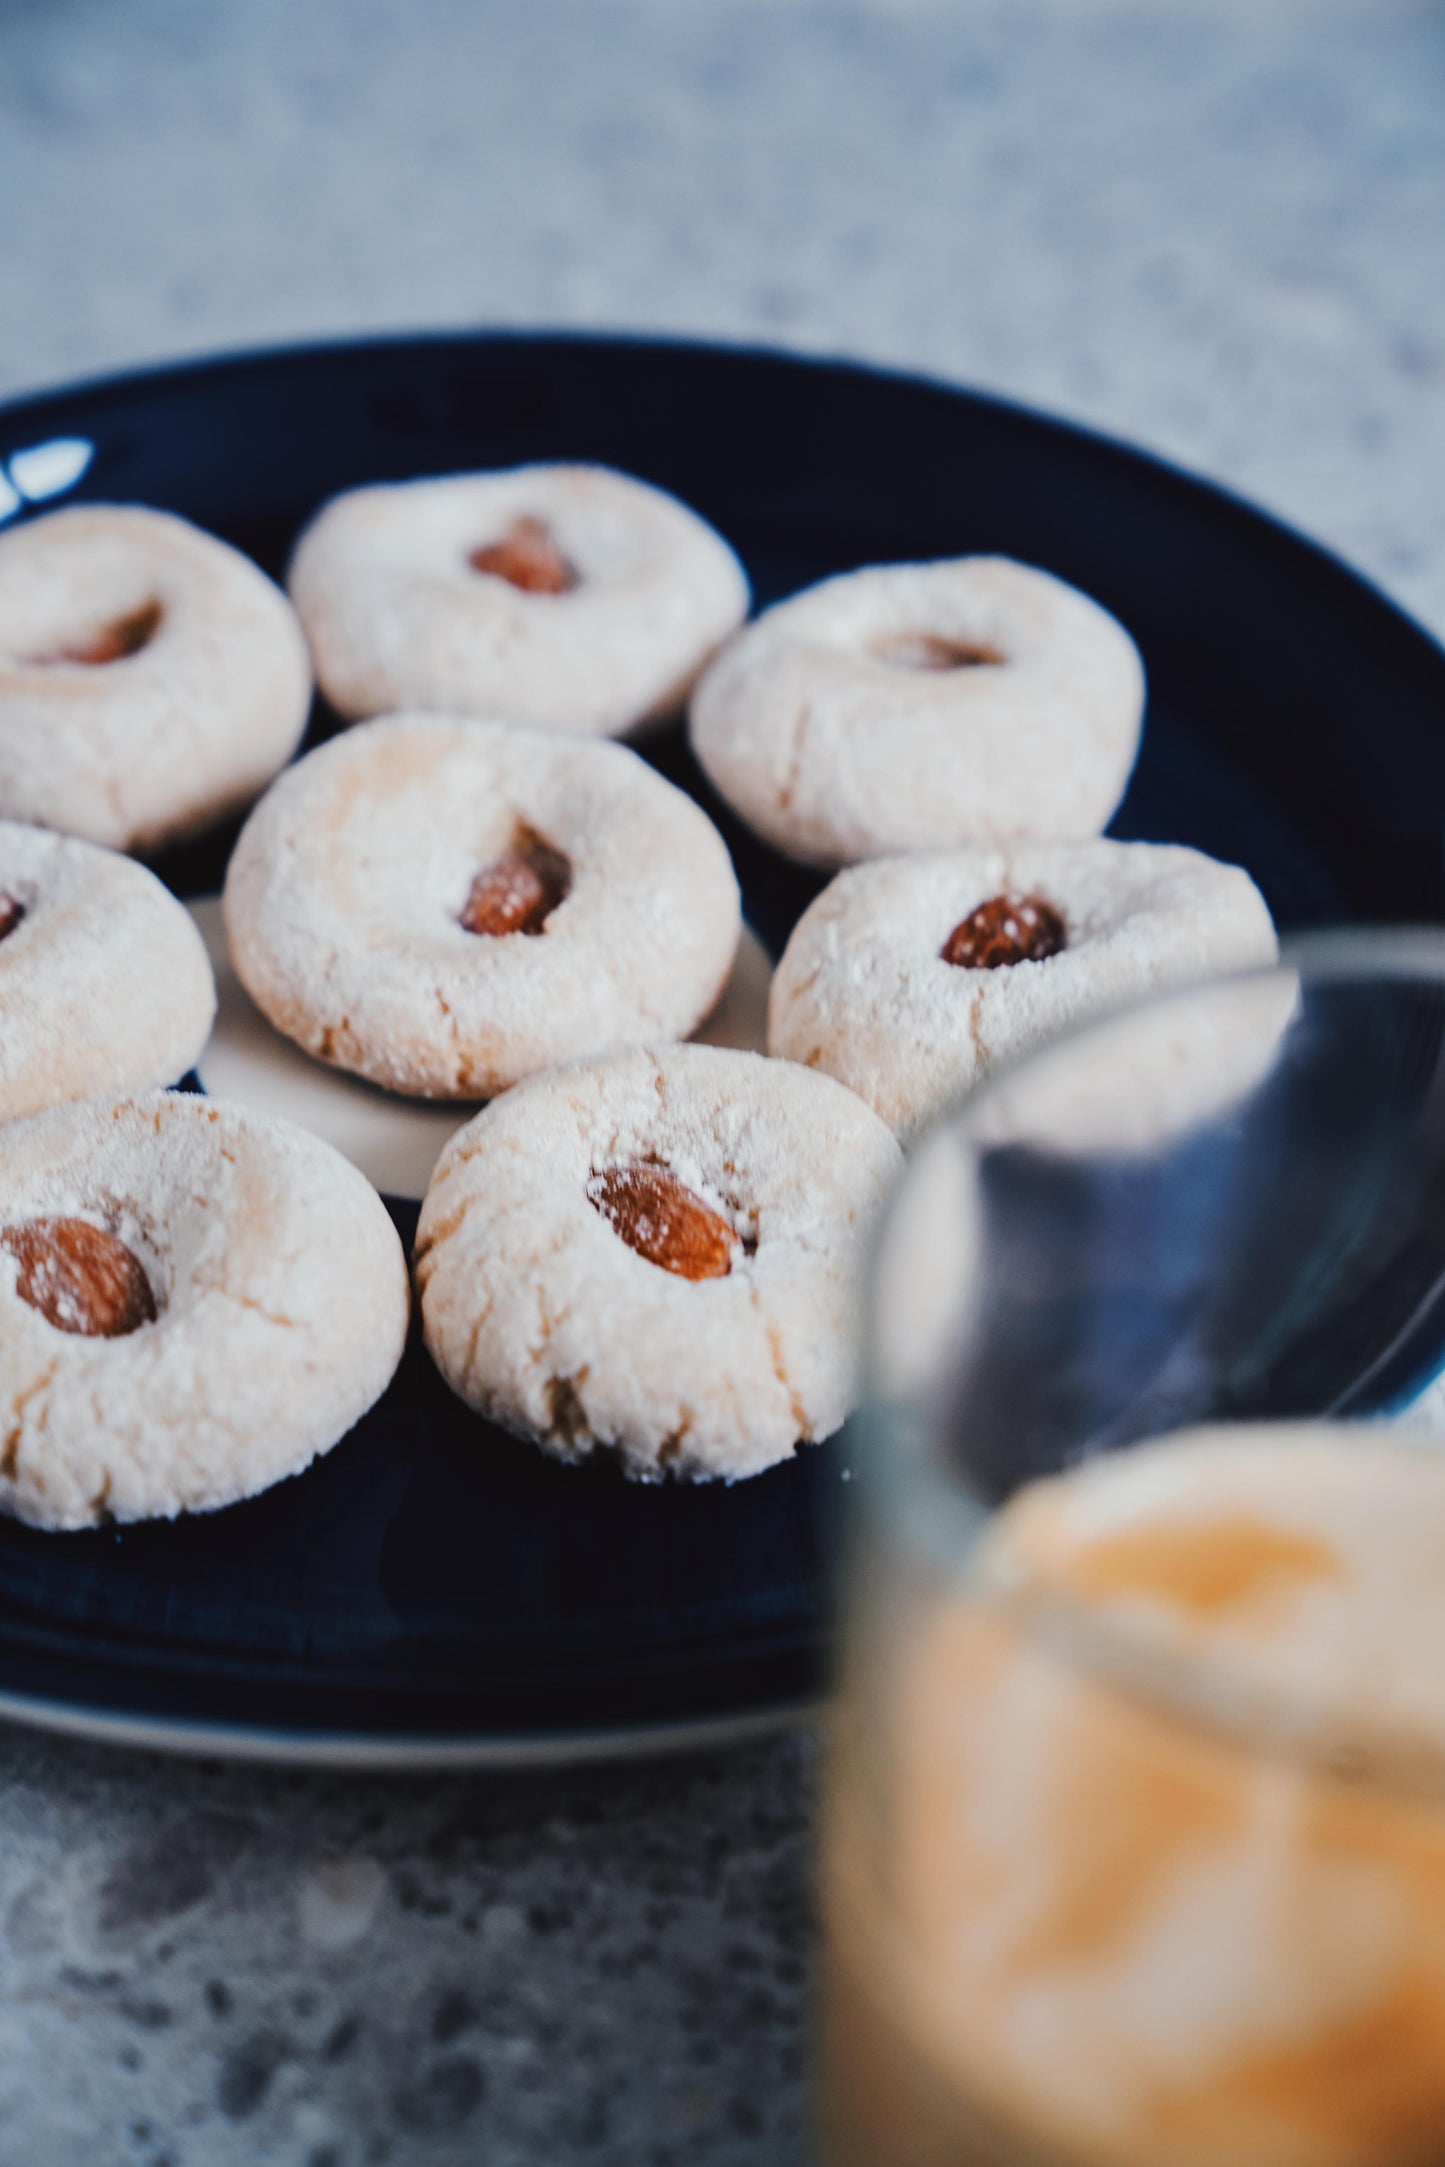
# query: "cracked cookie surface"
568,598
194,1302
868,988
152,679
657,1257
913,706
444,905
104,981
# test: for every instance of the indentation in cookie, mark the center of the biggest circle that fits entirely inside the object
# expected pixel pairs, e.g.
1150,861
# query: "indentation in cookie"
931,651
80,1278
526,556
12,910
518,892
1006,929
115,641
663,1220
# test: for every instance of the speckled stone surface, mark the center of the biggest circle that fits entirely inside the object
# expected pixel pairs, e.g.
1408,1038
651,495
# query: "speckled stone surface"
1213,227
205,1964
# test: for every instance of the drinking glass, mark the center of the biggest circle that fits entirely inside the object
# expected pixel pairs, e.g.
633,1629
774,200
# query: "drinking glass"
1134,1849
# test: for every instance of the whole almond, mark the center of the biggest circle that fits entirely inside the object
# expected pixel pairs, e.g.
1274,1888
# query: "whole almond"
526,557
661,1218
1006,930
930,651
519,892
115,641
80,1278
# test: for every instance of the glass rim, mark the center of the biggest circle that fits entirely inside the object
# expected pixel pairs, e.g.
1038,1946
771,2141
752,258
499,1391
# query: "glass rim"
1330,955
929,1505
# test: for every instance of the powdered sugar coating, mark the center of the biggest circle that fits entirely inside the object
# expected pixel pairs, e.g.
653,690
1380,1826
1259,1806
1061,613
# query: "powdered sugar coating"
540,1315
282,1295
862,990
159,743
344,899
104,981
834,753
398,616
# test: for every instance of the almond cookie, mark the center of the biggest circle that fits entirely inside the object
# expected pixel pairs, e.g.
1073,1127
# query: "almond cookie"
911,706
194,1303
104,981
443,906
657,1256
570,598
152,680
909,978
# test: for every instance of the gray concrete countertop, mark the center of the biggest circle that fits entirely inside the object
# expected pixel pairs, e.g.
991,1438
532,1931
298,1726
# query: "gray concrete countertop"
205,1964
1215,228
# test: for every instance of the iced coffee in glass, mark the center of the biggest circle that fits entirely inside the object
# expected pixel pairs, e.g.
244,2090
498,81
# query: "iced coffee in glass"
1135,1834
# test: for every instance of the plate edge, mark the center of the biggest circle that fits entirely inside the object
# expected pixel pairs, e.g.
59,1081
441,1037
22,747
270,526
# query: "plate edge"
380,1753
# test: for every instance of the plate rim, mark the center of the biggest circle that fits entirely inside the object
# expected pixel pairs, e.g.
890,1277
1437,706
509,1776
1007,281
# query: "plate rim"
399,1753
241,360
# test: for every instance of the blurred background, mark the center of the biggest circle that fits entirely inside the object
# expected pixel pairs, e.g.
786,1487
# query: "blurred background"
1214,226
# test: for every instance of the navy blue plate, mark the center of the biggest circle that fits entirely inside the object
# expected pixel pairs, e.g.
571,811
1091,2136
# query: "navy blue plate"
432,1590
